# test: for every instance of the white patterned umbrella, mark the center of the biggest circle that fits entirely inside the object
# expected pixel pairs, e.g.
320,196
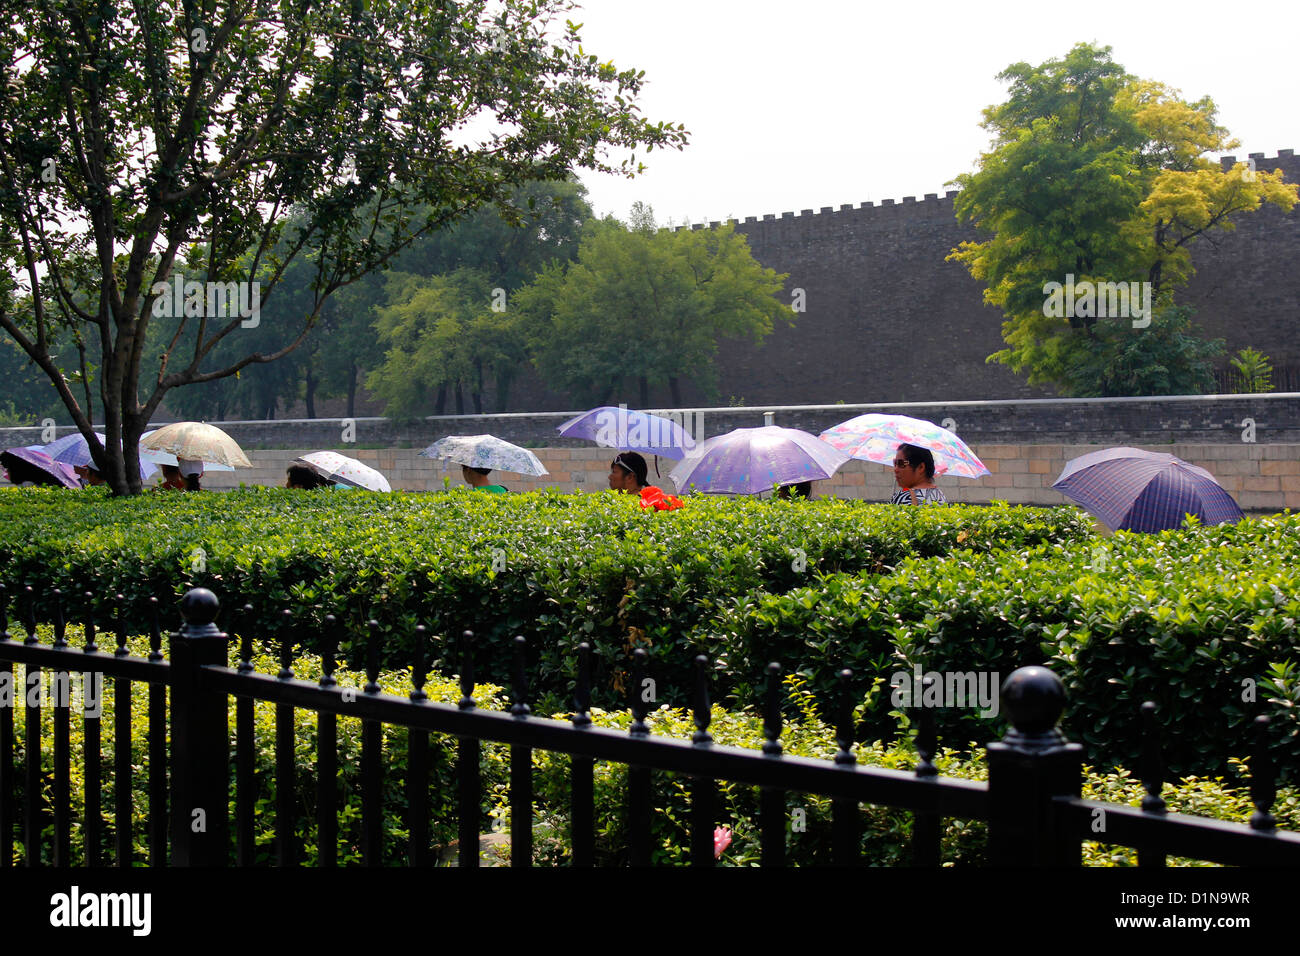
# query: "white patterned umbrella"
197,441
486,451
336,467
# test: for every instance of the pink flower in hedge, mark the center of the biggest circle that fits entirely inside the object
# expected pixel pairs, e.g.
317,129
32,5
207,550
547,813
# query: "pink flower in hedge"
721,840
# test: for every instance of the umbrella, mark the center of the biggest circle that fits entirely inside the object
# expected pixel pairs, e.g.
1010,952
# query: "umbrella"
197,441
485,451
877,437
165,458
24,464
338,467
617,427
1144,490
749,460
74,450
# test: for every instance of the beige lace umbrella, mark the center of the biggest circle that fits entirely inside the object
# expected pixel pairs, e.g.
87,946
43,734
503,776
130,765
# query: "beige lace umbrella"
198,441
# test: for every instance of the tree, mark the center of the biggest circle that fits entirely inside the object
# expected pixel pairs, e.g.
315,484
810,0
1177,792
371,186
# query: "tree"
647,306
133,138
1255,370
1095,176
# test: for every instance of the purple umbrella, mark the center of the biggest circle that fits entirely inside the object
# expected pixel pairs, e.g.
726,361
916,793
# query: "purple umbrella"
630,431
1136,490
23,464
749,460
75,450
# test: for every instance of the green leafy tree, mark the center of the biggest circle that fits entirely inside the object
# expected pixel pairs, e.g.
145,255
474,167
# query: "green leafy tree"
1095,176
646,306
135,137
1255,370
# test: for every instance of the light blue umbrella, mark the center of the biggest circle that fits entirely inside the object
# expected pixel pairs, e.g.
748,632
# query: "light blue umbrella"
750,460
485,451
74,450
620,427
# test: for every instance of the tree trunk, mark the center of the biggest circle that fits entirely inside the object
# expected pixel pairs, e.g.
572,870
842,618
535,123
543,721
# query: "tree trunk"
460,398
352,390
645,392
675,385
477,394
440,403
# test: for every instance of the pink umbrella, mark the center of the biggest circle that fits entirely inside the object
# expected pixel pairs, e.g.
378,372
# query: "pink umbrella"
24,464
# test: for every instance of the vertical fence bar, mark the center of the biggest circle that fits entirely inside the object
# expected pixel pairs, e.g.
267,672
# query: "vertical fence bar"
6,745
521,769
638,778
771,801
92,747
327,819
200,742
122,746
245,747
844,810
703,796
1152,781
467,768
372,795
32,726
286,783
582,837
61,701
417,766
157,749
1263,779
1027,768
926,830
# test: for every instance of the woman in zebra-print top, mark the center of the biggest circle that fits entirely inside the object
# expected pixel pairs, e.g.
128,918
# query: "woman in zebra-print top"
914,472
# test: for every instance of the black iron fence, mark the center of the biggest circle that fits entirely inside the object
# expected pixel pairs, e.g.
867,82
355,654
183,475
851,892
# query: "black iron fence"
1031,802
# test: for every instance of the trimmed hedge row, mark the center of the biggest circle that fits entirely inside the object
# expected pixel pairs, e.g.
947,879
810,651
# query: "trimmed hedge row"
557,568
1201,620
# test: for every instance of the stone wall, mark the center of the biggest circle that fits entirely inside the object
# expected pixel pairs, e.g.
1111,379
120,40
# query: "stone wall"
1260,477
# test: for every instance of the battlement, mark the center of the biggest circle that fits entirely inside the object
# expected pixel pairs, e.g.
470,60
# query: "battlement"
933,203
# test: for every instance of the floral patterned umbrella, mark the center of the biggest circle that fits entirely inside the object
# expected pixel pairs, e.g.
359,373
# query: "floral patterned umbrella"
197,441
486,451
752,460
877,437
336,467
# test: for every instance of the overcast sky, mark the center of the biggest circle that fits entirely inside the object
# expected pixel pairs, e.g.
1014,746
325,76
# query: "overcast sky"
811,103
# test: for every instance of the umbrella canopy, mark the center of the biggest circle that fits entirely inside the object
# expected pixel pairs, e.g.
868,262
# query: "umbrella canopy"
877,437
197,441
24,464
749,460
336,467
166,458
1140,490
619,427
74,450
485,451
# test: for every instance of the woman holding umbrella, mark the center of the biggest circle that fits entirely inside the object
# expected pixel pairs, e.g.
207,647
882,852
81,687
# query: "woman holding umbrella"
914,472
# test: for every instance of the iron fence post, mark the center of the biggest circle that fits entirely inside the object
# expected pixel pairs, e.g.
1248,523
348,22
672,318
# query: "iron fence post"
200,748
1027,768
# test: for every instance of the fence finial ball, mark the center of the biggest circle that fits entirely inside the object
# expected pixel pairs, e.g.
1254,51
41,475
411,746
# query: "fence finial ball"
1035,699
199,607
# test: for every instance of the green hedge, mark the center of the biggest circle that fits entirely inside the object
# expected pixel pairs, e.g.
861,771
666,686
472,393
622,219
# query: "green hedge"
567,567
1187,618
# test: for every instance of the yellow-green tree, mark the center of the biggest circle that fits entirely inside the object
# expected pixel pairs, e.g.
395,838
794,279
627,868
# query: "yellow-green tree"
1095,176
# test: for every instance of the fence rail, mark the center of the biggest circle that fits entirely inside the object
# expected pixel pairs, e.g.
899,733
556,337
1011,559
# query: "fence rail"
1031,801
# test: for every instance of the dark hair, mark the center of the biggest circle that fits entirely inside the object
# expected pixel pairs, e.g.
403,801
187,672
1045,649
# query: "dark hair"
802,489
481,471
192,483
633,464
171,471
916,455
305,478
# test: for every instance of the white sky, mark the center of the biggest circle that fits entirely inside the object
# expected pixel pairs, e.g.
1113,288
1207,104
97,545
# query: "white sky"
811,103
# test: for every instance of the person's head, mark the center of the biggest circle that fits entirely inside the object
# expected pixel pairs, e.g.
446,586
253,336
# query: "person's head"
172,478
627,472
913,466
475,477
802,489
191,471
89,474
303,478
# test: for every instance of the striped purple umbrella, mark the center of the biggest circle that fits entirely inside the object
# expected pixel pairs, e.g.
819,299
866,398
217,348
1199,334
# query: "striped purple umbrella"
24,464
1136,490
